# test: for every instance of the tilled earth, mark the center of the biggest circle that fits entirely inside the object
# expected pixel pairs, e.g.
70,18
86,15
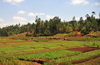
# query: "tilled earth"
84,49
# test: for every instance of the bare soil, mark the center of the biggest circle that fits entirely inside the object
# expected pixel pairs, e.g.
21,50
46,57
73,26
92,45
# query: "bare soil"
84,49
40,61
36,61
29,63
17,41
1,64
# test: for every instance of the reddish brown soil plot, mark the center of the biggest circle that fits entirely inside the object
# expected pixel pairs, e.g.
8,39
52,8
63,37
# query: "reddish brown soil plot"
29,63
17,41
84,49
36,61
40,61
1,64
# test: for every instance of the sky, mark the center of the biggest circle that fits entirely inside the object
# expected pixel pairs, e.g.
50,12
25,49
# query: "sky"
23,11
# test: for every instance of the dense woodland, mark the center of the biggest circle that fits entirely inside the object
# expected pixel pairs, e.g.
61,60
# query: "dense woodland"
54,26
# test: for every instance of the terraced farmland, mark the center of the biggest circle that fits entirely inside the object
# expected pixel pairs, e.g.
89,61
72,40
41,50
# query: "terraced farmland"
50,52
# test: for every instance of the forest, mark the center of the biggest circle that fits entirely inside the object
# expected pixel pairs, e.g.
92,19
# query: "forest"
54,26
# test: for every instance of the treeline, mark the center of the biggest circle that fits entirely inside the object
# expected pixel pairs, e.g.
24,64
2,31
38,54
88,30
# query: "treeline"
54,26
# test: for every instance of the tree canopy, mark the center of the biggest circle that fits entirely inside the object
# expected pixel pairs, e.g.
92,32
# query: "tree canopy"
54,26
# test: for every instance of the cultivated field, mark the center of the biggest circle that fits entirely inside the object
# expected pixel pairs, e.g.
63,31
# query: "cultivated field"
40,51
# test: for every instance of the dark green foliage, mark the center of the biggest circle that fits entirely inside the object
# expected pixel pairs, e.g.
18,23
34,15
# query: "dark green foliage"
54,26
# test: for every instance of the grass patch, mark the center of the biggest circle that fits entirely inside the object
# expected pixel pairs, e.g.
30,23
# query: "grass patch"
50,55
93,44
78,57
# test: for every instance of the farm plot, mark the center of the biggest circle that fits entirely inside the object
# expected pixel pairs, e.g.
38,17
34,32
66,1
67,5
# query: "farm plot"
48,52
83,57
50,55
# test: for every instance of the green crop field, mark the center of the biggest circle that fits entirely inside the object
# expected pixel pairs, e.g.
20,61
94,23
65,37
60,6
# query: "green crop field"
17,52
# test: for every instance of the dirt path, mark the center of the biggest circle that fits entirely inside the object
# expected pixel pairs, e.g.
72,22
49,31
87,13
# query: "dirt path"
17,41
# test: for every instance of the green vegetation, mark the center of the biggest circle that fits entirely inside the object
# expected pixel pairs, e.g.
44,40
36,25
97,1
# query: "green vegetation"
54,26
79,57
49,55
93,44
55,51
9,61
15,52
32,47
